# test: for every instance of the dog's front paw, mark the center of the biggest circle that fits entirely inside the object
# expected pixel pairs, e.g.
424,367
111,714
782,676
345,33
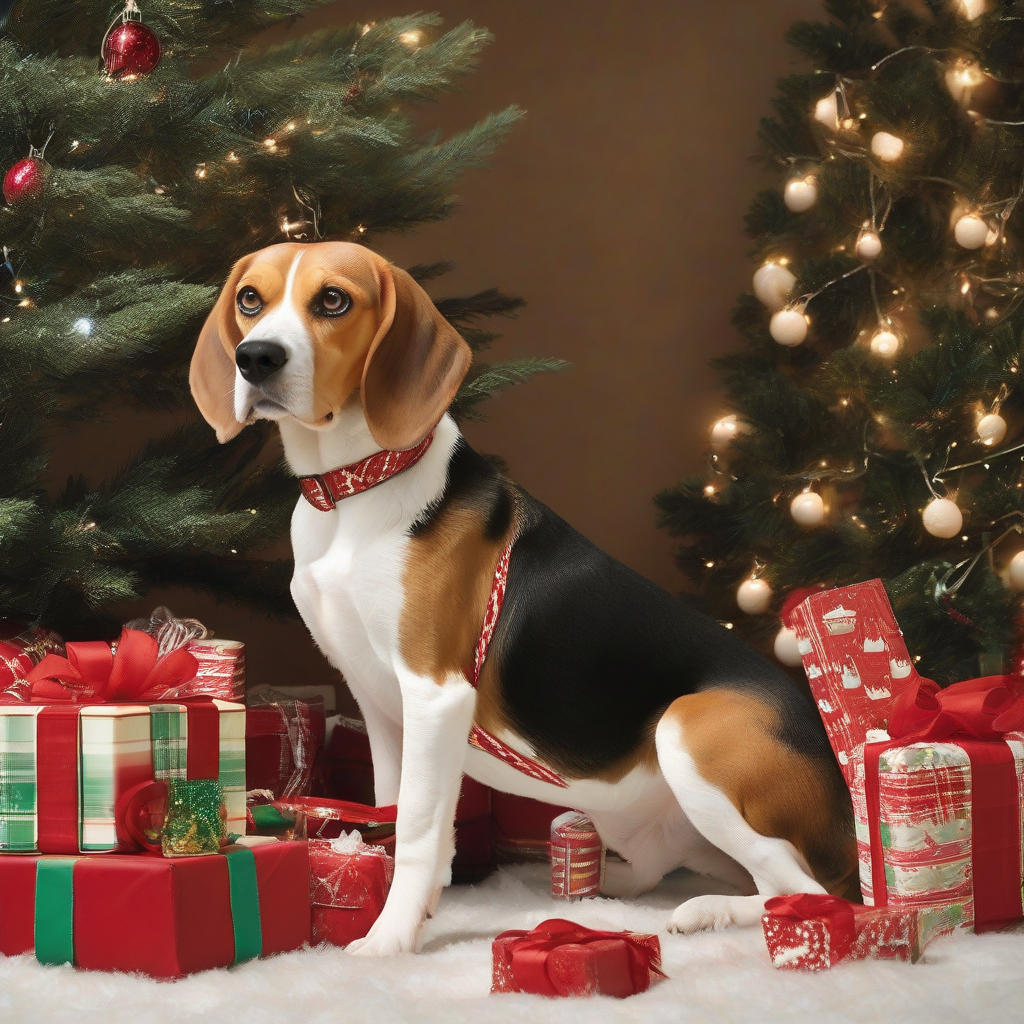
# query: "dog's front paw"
386,939
714,913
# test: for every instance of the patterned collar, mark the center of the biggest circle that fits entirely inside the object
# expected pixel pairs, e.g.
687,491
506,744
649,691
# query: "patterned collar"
324,491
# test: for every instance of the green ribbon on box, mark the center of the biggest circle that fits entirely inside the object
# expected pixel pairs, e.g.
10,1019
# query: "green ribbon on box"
55,904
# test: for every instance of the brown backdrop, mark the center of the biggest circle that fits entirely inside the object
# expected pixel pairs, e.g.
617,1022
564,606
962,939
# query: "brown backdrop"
616,210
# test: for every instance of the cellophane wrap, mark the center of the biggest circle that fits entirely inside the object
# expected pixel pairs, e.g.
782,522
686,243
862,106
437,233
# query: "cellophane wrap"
856,661
925,810
577,857
285,736
349,883
21,648
883,933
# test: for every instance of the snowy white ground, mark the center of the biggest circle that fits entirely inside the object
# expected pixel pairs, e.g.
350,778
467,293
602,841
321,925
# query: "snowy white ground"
722,976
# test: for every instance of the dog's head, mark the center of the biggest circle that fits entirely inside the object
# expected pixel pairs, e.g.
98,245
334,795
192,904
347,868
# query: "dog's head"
304,330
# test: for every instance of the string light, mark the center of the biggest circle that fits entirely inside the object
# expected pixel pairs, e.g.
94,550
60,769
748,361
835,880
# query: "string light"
774,283
723,431
270,144
789,326
962,79
754,595
869,244
826,110
886,146
971,9
82,325
807,509
201,171
232,157
885,343
19,287
411,38
801,193
971,231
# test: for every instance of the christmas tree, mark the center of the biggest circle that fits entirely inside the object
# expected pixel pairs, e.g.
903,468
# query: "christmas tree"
873,424
145,152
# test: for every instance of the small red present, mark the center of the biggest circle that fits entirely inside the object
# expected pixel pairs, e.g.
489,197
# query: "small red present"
349,883
577,857
21,649
813,932
560,958
162,916
283,738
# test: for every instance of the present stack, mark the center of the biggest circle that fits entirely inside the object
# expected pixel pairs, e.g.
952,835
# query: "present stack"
936,775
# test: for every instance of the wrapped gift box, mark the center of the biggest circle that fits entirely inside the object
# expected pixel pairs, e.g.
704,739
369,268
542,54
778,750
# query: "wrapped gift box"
349,883
521,827
559,958
165,917
813,932
332,819
577,857
21,649
221,670
68,771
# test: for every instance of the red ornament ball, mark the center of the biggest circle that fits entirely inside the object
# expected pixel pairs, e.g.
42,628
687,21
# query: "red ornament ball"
131,49
25,180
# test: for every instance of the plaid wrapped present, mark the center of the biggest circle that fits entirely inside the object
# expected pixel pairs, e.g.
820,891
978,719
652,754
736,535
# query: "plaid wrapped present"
73,768
577,857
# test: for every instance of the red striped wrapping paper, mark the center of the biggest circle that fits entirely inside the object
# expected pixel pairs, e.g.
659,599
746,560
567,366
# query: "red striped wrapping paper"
577,857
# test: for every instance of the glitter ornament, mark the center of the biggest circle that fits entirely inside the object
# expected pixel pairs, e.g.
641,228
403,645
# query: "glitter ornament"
886,147
1015,572
130,48
942,518
788,326
786,647
869,246
991,429
970,231
24,181
826,111
885,343
801,193
773,284
754,596
807,509
724,430
195,818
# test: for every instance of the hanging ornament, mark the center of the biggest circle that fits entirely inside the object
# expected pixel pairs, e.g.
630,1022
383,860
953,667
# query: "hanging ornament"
991,429
826,110
25,180
789,326
869,245
971,9
942,518
1015,572
801,193
773,284
807,509
885,343
723,431
787,648
754,596
886,147
129,47
971,231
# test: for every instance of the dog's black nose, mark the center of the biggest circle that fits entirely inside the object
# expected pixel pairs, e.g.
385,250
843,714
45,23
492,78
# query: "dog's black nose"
258,360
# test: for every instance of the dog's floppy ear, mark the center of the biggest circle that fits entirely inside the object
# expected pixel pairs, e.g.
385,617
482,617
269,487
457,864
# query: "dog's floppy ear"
212,373
414,366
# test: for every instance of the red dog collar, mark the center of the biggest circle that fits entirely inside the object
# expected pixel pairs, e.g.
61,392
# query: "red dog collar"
324,491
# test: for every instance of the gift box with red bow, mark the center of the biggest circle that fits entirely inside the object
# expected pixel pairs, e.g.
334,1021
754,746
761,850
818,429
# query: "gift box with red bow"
80,755
165,917
935,774
21,649
813,932
349,883
560,958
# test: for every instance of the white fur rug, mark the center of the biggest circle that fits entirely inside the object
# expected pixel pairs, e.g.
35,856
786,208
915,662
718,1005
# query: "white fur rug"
723,976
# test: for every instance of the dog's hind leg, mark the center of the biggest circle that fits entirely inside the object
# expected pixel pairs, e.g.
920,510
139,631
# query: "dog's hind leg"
768,806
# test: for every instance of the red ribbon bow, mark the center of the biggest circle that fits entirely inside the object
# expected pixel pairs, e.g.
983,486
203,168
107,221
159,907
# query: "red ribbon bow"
530,953
974,714
91,674
838,915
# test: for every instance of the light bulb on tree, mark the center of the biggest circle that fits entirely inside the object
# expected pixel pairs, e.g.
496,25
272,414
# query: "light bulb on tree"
801,193
886,146
787,648
753,596
826,111
991,429
971,9
942,518
789,326
1015,572
807,509
869,245
885,343
724,431
971,231
962,79
773,284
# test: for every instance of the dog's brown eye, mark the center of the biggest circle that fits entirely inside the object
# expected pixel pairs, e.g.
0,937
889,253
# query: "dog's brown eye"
249,301
334,302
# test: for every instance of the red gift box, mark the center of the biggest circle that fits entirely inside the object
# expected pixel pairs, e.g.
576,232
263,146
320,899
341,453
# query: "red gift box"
349,883
521,827
814,932
577,857
21,649
560,958
165,917
283,738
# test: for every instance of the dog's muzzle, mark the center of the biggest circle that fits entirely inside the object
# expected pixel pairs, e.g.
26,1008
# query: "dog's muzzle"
259,360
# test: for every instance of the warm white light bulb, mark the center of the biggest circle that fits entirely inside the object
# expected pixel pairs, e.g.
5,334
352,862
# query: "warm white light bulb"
787,647
724,430
991,429
942,518
83,326
773,284
754,596
826,111
885,343
869,246
807,509
1015,572
801,193
789,326
971,231
972,9
886,146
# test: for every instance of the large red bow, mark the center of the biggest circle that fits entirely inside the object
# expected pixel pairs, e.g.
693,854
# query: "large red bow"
530,953
838,915
980,709
92,674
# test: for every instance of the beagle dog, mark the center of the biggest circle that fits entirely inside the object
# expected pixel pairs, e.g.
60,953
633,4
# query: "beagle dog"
480,633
